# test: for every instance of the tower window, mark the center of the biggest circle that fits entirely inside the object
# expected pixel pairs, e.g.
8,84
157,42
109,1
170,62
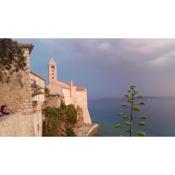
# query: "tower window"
53,67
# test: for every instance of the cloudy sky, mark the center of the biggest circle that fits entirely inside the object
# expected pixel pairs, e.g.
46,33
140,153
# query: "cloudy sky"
108,66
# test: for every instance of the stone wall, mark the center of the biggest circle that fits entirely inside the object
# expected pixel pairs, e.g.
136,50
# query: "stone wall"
17,95
17,92
17,125
38,123
81,99
53,101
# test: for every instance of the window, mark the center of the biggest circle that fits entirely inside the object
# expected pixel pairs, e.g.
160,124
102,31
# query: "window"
33,84
53,67
34,104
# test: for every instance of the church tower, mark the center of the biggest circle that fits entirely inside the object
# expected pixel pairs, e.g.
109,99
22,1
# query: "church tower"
52,68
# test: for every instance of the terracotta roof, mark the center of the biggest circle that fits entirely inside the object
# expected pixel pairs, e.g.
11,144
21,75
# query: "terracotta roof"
67,86
26,45
63,85
81,89
37,75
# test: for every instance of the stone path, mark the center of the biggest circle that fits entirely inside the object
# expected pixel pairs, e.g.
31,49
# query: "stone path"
87,130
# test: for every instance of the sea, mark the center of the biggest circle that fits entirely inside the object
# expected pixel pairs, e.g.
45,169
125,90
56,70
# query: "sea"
160,112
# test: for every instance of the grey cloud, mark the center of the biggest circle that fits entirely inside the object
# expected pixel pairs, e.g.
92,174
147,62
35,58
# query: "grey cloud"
108,66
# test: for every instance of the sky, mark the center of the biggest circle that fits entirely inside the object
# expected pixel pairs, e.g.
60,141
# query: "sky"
106,67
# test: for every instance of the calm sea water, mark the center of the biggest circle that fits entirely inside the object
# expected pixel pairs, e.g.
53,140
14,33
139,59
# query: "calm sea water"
160,112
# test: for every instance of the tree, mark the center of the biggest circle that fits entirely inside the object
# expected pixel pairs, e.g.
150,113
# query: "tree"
12,58
133,105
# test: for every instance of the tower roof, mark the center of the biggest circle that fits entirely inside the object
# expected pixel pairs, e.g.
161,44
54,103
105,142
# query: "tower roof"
52,61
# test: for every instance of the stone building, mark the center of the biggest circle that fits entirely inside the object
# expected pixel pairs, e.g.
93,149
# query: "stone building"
17,94
38,92
70,93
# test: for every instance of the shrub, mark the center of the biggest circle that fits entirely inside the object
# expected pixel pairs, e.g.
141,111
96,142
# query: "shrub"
71,114
70,132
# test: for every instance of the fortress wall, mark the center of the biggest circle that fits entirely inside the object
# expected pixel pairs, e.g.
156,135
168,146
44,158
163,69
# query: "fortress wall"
21,125
67,96
17,93
38,123
17,125
82,103
54,89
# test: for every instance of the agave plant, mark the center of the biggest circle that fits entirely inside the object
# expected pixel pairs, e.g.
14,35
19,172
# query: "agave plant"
133,105
37,91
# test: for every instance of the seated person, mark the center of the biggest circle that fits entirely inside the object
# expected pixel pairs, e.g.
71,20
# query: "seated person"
1,114
5,110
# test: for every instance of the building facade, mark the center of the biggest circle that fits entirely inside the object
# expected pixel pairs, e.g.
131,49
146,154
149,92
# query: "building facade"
38,90
17,94
70,93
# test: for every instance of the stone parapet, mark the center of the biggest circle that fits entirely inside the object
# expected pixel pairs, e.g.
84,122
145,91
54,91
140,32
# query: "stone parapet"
17,125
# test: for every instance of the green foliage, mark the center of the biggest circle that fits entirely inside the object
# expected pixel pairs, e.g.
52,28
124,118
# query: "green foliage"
62,106
140,96
133,105
126,117
142,123
59,121
54,119
141,133
118,125
128,123
12,57
130,101
135,109
142,103
71,113
70,132
120,114
143,117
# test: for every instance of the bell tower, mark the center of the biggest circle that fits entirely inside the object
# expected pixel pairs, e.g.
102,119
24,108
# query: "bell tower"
52,69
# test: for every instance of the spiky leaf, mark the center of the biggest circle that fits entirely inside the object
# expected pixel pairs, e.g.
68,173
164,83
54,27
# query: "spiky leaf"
120,114
142,103
135,109
130,101
126,117
128,123
140,96
118,125
128,130
141,133
142,123
143,117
